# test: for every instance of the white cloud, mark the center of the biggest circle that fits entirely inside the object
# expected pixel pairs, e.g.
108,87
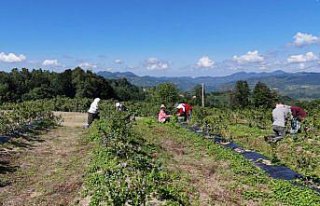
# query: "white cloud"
50,62
153,63
11,57
250,57
86,65
302,39
263,67
118,61
308,57
132,67
302,66
205,62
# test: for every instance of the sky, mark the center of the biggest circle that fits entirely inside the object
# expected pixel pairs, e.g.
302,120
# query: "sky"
161,37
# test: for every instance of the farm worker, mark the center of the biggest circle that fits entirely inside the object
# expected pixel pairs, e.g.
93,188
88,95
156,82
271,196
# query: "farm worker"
181,112
185,111
93,112
188,111
298,115
280,115
163,117
120,107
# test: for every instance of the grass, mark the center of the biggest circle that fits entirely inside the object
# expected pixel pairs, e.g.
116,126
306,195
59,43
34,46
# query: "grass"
219,176
300,154
248,127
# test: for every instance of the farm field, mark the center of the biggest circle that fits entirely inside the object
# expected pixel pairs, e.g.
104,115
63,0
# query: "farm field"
149,163
248,128
218,176
121,162
160,103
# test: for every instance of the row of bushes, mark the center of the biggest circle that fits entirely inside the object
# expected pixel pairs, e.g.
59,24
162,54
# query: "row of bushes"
124,168
24,117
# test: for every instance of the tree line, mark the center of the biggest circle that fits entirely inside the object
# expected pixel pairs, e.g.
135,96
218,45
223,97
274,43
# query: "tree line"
260,96
240,97
20,85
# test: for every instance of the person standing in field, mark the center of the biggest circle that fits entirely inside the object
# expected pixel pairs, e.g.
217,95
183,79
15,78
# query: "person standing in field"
163,117
93,112
280,116
298,115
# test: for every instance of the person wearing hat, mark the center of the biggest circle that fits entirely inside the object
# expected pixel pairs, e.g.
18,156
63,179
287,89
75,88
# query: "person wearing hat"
181,112
163,117
184,111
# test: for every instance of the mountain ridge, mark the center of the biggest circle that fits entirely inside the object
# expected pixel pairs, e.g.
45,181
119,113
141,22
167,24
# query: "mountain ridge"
297,85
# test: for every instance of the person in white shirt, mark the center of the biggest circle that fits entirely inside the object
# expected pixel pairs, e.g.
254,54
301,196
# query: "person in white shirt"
280,115
93,112
120,107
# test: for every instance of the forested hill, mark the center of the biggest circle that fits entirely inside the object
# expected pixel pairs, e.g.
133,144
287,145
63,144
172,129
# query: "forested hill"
296,85
24,84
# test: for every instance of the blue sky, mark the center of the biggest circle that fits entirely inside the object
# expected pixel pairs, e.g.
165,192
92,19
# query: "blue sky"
161,37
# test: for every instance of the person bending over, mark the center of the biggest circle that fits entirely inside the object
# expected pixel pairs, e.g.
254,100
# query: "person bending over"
93,112
163,117
298,115
280,115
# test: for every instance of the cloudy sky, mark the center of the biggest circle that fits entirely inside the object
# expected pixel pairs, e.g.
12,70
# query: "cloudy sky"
161,37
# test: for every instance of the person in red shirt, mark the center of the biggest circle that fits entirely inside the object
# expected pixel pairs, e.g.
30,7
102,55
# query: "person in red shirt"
181,112
188,111
185,111
298,115
298,112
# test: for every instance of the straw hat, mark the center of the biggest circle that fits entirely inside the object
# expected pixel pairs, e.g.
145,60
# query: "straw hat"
162,106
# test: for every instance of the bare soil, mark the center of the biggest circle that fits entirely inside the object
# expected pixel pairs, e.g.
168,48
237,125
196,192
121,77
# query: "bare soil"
46,169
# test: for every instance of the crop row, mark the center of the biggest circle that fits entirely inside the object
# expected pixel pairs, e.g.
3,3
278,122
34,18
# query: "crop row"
124,169
231,171
25,116
248,127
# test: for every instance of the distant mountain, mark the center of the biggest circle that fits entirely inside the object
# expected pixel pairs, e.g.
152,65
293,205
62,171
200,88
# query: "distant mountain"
116,75
296,85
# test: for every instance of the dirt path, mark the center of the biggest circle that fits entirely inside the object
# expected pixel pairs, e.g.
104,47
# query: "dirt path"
48,169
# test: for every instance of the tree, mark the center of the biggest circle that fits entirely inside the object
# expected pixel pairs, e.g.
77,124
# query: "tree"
263,96
241,94
166,93
88,84
43,92
125,90
62,82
